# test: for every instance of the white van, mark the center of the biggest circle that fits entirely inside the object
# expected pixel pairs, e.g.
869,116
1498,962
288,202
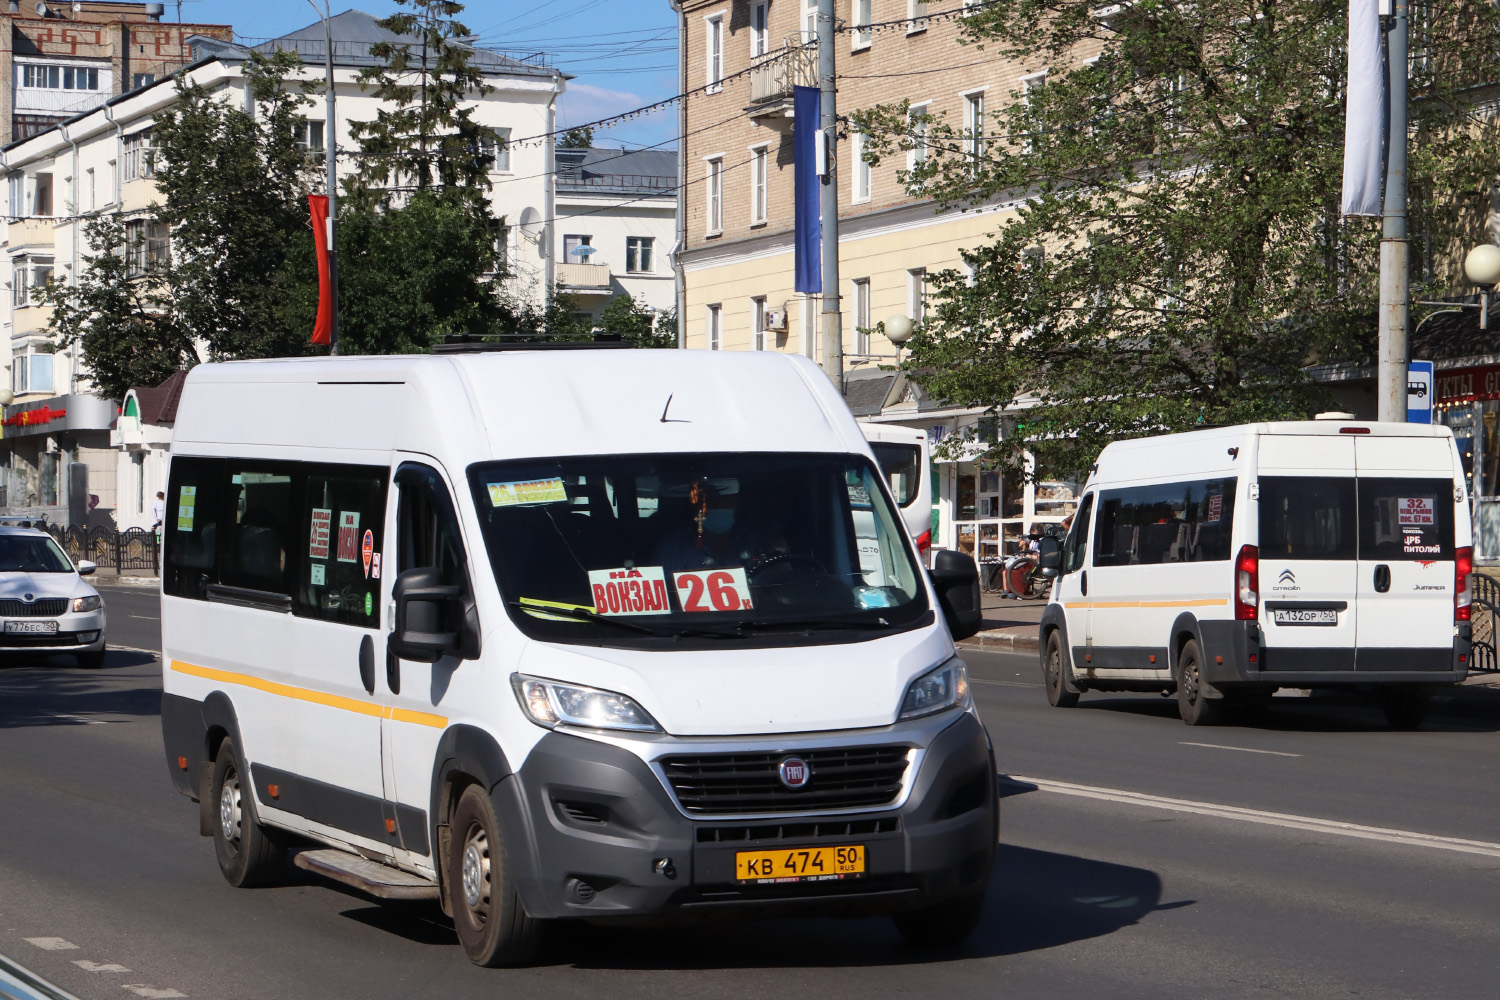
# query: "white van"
905,456
1224,564
566,634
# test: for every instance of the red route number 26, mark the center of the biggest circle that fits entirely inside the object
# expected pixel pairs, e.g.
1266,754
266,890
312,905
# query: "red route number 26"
713,590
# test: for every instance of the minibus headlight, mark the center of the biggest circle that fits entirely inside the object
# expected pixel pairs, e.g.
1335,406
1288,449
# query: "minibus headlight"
553,703
945,687
90,603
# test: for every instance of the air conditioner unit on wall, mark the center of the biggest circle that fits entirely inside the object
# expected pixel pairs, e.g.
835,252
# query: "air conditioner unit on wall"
776,320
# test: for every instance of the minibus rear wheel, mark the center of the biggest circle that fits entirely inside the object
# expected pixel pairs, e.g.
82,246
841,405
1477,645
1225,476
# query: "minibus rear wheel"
247,854
492,924
1193,703
1053,666
943,924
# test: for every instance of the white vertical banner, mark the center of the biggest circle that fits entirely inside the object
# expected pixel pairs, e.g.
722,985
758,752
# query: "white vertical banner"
1364,112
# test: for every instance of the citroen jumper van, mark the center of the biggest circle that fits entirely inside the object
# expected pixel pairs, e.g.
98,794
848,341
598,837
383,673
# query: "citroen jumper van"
1224,564
567,634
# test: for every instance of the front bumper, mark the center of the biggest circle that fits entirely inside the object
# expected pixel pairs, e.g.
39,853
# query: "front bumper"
83,631
592,832
1234,655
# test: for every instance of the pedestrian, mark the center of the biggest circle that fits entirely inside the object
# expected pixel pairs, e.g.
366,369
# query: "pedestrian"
158,511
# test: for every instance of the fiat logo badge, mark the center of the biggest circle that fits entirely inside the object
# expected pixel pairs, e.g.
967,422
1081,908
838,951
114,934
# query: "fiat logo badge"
794,772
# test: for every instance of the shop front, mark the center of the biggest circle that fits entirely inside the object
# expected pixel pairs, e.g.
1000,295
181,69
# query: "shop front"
57,450
1467,400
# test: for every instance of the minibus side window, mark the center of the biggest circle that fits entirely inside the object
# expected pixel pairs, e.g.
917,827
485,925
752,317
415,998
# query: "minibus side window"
260,551
1165,523
191,528
343,509
1307,517
1076,547
429,526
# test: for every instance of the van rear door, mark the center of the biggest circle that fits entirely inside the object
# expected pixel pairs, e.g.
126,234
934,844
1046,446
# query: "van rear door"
1406,543
1308,551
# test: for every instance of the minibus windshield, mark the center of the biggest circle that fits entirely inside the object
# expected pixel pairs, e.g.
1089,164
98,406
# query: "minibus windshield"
628,549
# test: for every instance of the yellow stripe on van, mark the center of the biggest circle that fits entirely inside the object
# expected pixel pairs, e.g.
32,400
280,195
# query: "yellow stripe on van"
1218,602
314,697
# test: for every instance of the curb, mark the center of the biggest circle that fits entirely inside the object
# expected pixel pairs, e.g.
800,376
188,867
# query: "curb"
1002,640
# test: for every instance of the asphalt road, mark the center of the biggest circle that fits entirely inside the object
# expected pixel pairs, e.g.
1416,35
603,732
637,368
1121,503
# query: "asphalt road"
1139,858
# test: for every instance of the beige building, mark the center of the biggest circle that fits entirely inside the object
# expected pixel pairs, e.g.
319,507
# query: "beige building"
741,59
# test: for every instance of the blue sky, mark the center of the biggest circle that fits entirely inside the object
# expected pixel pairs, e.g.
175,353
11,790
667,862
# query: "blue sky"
622,53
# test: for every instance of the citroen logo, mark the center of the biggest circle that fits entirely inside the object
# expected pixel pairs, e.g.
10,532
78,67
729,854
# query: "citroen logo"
1286,577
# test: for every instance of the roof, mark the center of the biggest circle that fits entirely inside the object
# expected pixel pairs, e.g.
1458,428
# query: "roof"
596,170
866,395
158,404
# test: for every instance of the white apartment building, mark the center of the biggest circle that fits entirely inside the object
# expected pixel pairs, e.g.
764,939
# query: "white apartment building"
99,162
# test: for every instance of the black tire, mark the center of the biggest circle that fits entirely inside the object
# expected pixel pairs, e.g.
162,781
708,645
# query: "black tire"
944,924
248,855
1193,704
1053,676
1405,708
492,925
91,660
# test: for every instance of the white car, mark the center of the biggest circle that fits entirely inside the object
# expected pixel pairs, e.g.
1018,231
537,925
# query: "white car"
45,604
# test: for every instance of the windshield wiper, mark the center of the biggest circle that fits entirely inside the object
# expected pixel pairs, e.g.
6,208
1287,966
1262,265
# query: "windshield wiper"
585,615
810,624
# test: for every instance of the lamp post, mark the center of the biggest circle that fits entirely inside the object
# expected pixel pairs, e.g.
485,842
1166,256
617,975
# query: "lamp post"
331,146
898,330
1482,268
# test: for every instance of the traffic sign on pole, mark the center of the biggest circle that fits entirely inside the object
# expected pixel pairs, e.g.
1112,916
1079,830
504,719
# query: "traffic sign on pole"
1419,389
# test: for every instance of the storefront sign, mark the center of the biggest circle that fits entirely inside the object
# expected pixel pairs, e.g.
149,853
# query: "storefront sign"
58,414
1461,385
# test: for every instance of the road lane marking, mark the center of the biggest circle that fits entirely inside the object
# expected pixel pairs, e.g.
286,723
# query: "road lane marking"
1220,746
52,943
88,966
1009,684
1289,821
151,992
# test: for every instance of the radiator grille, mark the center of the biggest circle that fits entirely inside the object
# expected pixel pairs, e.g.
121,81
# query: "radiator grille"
738,784
47,607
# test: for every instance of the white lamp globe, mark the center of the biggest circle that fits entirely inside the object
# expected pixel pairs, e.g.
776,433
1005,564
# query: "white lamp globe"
1482,265
898,328
7,397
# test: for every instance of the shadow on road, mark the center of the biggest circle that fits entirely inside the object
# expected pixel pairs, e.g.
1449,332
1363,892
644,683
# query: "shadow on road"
1037,900
54,691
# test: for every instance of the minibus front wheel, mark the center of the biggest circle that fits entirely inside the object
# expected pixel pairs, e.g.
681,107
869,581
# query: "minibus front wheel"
247,854
492,925
1053,667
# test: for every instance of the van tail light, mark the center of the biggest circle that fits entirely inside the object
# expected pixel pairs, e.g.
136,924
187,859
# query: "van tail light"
924,543
1247,584
1463,584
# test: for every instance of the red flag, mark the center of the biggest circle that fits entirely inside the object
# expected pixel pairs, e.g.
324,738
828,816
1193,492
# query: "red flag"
318,205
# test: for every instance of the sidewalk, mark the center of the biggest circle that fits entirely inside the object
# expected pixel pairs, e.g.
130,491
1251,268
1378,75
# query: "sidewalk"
1008,624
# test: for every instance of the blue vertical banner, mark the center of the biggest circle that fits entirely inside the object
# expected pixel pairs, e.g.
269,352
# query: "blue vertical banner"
1419,390
807,110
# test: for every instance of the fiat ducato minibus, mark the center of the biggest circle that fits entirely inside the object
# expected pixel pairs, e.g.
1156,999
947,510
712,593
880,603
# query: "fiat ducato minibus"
583,634
1225,564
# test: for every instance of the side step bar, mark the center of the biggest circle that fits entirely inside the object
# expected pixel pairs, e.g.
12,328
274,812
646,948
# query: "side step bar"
366,875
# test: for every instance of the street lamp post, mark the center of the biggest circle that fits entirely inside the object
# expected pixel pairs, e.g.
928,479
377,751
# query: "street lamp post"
1482,268
898,330
331,146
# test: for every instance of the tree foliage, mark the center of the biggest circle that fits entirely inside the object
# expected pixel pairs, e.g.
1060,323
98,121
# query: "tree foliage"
1177,258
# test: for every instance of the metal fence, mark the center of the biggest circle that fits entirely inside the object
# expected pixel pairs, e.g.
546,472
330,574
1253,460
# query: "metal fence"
1486,608
132,550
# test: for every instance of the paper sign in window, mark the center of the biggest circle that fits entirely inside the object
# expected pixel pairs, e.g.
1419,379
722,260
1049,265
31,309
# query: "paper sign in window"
713,590
187,504
322,527
640,590
349,536
1416,510
527,491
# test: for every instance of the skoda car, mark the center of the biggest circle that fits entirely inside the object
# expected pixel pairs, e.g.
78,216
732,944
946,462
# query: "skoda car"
45,604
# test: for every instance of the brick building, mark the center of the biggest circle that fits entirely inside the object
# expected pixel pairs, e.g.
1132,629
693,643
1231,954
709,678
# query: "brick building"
60,59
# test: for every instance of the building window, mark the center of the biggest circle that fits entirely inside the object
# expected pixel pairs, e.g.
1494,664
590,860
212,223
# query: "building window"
916,12
861,166
42,199
32,373
716,194
571,244
916,294
760,29
498,149
715,326
758,323
859,16
146,246
15,186
140,158
974,123
89,183
809,21
861,316
60,77
139,80
715,55
114,181
308,135
916,126
760,168
138,473
28,273
639,251
1031,87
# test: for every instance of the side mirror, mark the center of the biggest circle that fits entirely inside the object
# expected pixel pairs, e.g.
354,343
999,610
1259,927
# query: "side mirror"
85,567
1049,560
433,619
956,580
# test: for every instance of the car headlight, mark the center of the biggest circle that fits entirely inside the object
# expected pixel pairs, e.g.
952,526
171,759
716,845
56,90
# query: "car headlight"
91,603
946,686
553,703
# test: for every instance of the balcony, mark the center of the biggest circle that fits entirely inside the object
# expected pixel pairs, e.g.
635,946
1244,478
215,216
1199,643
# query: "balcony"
772,80
583,279
33,231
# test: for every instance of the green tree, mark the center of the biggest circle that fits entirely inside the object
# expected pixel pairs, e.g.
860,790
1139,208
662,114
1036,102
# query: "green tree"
1178,257
576,138
637,324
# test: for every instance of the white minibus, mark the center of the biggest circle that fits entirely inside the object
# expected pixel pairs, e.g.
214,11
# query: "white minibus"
1224,564
567,634
905,457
